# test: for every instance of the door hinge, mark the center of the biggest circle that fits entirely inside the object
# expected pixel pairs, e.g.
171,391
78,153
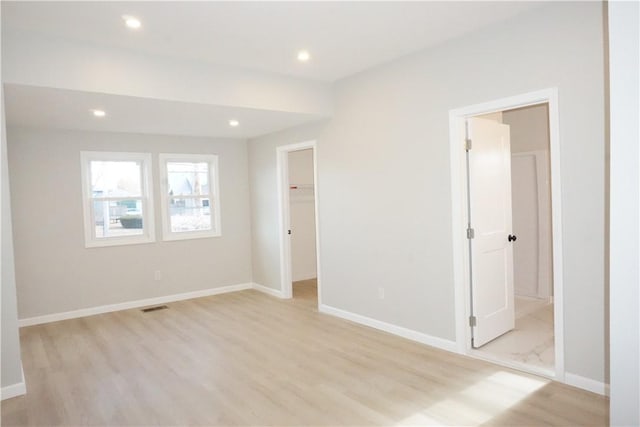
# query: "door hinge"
472,321
470,233
467,144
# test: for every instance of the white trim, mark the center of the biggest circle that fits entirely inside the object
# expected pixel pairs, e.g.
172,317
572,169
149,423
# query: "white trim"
420,337
146,198
282,169
269,291
461,274
83,312
316,221
556,231
586,384
452,346
213,196
14,390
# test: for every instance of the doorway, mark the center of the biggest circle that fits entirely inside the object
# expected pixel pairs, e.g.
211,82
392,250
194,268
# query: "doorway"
298,225
508,253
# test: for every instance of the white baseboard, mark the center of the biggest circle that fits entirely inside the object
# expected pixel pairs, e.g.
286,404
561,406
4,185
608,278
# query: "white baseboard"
586,384
270,291
14,390
393,329
19,389
83,312
570,379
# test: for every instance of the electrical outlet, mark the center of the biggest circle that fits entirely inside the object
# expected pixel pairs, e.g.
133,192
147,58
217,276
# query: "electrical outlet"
380,292
157,275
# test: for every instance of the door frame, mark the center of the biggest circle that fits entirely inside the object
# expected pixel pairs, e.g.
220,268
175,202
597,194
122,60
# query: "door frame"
282,153
459,204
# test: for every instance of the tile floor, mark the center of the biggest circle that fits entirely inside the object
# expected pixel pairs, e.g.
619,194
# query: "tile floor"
531,342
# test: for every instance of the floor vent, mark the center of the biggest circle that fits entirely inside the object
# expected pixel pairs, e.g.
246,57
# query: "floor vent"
158,307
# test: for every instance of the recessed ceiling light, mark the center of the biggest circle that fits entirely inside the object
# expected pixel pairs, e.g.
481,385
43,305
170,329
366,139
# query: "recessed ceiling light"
132,22
303,56
233,123
98,113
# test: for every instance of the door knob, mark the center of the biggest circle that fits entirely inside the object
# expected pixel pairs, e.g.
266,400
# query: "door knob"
512,238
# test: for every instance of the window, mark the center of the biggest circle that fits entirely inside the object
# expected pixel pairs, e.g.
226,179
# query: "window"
117,198
190,196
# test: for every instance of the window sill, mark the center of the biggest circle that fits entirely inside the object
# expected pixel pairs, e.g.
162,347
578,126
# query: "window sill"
118,241
168,237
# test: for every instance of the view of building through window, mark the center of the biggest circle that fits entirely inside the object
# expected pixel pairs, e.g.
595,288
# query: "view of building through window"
116,191
189,196
118,197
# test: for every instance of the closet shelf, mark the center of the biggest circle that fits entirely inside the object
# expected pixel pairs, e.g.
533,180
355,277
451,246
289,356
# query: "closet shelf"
301,187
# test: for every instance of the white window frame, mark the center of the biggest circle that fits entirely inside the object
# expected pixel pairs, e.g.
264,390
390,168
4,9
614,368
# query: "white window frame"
148,225
214,196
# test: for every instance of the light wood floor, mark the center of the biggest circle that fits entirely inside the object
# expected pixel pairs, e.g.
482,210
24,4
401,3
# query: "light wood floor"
246,358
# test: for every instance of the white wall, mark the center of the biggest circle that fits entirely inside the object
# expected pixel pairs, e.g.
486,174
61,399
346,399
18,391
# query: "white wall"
394,201
11,372
56,273
497,116
265,249
529,128
33,60
624,286
532,252
301,167
384,175
302,215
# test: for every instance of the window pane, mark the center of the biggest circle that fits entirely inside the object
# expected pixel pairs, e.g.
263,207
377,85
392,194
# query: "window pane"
117,218
115,179
189,214
188,178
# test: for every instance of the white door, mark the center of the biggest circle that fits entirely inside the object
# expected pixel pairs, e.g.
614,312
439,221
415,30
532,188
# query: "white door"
491,250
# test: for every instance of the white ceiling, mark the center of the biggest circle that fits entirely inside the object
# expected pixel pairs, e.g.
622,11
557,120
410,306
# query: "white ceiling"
342,37
65,109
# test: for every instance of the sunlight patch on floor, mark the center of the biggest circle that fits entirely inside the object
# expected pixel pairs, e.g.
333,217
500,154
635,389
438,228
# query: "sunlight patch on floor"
479,402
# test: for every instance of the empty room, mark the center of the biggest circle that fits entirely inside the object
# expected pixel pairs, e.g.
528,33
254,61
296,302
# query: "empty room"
320,213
